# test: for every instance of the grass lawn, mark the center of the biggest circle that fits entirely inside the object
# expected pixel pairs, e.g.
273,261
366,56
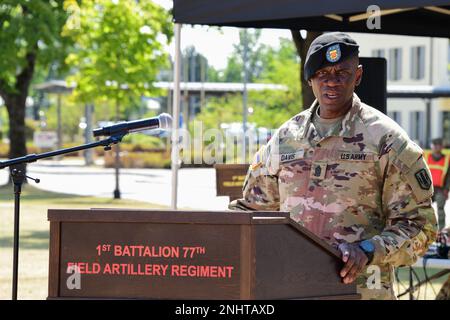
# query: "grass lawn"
34,235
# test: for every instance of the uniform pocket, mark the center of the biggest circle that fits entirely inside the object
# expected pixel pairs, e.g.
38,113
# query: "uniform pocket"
355,181
293,177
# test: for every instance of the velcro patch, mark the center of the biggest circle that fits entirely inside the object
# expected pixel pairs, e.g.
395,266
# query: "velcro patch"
423,179
410,154
318,170
419,179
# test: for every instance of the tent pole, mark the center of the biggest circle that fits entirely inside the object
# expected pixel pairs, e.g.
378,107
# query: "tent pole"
245,98
176,116
428,103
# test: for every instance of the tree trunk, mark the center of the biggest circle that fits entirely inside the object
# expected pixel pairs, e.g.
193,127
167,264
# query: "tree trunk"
15,104
16,112
302,46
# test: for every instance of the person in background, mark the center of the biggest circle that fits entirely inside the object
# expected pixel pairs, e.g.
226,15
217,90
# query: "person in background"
438,164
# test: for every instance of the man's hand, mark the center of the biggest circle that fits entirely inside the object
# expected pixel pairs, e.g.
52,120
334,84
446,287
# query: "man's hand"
445,192
355,260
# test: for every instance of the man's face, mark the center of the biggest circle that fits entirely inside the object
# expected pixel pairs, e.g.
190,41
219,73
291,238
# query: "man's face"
436,148
333,85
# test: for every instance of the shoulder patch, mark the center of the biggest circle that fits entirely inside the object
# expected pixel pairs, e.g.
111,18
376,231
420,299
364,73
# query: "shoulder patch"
410,154
423,178
258,159
419,179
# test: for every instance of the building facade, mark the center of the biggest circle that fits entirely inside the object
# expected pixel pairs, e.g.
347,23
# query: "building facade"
415,62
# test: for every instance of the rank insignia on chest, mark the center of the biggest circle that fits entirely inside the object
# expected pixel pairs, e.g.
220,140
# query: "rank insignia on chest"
318,170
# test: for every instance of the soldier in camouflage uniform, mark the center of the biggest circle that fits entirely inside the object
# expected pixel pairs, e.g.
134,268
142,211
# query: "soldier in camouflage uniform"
348,173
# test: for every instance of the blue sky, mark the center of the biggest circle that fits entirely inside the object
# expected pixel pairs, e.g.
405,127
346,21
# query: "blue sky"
216,45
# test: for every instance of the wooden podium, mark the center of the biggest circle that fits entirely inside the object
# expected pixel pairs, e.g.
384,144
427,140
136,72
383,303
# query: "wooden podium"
147,254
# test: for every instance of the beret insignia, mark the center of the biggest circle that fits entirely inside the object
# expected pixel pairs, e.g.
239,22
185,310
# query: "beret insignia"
333,53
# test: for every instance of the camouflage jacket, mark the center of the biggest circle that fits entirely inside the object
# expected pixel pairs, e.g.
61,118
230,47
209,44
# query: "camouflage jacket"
366,180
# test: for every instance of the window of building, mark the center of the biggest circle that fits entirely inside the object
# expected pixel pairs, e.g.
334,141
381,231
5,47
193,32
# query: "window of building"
395,64
446,127
396,116
448,65
378,53
417,127
417,62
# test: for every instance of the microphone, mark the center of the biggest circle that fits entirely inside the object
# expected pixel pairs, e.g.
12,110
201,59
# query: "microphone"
163,121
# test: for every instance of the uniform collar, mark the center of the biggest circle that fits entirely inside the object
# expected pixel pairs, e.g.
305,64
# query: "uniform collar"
347,126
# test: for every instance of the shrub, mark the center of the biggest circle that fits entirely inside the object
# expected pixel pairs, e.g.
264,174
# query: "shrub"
4,150
130,159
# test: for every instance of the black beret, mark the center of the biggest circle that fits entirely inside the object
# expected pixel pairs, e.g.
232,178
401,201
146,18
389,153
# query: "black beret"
329,48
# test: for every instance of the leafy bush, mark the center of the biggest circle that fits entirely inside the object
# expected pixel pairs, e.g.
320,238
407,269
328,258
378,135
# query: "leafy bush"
130,159
4,150
143,141
30,127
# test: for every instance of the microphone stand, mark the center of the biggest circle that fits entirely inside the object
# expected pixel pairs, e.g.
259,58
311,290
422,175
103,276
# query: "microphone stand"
18,176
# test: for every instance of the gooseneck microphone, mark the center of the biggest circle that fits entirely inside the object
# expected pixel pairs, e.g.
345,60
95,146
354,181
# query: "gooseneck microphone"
163,121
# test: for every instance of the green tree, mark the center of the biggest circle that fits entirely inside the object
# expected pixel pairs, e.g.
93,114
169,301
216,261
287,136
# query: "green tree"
4,126
30,38
119,49
194,65
273,107
213,75
225,109
72,112
270,108
234,69
302,45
